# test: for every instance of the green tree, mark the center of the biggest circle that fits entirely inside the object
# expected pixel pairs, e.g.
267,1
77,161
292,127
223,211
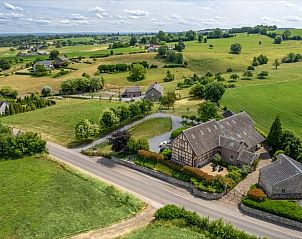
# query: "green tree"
134,145
234,77
235,48
169,76
46,91
207,110
168,99
54,54
200,38
96,83
274,137
133,41
109,119
198,90
86,129
214,91
40,70
286,34
291,144
137,73
278,39
276,63
162,51
180,46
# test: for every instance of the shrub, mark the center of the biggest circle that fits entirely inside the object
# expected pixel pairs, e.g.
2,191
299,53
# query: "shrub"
167,153
229,70
250,68
46,91
150,155
177,132
217,228
134,145
256,194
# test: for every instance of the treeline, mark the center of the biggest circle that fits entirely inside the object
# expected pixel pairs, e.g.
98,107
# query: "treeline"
28,103
259,29
122,67
19,146
82,85
118,44
217,33
111,119
292,58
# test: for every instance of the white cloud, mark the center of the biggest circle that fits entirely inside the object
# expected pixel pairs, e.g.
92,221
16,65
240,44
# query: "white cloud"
97,9
287,4
205,8
136,13
293,18
15,15
77,17
175,16
12,7
64,21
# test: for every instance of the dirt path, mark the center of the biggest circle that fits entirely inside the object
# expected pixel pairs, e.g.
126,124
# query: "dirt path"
122,228
233,198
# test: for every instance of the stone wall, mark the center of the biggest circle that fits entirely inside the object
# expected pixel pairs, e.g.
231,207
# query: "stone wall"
164,177
270,217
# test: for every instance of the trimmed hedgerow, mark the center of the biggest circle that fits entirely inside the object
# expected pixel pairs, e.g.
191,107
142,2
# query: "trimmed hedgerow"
282,208
217,228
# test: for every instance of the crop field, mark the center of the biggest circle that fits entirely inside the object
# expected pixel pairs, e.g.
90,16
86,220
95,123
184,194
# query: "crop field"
56,123
43,199
264,102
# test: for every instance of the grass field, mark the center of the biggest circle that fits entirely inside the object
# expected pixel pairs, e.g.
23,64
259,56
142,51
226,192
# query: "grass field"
294,32
56,123
151,128
42,199
264,102
166,230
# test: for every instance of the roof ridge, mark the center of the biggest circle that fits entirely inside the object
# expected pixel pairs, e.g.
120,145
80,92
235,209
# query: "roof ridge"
203,123
290,160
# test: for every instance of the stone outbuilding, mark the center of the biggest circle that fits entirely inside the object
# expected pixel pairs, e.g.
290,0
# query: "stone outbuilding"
3,105
132,92
154,92
282,179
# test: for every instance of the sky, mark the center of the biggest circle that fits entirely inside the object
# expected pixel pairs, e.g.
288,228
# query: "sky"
65,16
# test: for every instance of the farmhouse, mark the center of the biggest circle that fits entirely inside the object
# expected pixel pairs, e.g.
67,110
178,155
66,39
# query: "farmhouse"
234,138
61,61
48,65
282,179
3,105
131,92
154,92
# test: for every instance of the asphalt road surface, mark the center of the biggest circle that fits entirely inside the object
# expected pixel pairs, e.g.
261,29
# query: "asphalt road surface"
159,193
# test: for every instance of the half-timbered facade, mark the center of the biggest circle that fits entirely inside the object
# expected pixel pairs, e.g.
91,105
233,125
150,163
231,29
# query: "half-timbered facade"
234,138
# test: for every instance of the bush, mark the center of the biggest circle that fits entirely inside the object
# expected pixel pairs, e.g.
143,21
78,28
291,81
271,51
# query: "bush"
133,145
177,132
167,153
256,194
250,68
217,229
229,70
150,155
46,91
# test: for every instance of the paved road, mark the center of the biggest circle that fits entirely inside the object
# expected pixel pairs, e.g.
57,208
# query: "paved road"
155,141
127,127
159,193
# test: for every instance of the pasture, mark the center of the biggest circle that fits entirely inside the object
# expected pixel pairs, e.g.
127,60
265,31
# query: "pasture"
44,199
56,123
264,102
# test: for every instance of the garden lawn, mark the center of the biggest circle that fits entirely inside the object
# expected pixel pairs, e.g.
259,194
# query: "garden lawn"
166,230
151,128
43,199
283,208
57,123
264,102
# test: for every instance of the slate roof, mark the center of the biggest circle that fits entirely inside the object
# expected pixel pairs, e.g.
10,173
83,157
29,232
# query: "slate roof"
239,127
133,89
43,63
229,143
280,170
157,87
227,114
62,59
247,157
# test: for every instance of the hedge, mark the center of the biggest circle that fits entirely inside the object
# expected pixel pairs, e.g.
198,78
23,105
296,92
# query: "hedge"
282,208
217,228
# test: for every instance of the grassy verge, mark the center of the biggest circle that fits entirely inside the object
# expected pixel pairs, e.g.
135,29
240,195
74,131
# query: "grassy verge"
151,128
282,208
43,199
57,123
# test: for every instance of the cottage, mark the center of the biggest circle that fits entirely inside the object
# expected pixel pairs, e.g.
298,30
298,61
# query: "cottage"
3,105
282,179
61,61
48,65
234,138
154,92
131,92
